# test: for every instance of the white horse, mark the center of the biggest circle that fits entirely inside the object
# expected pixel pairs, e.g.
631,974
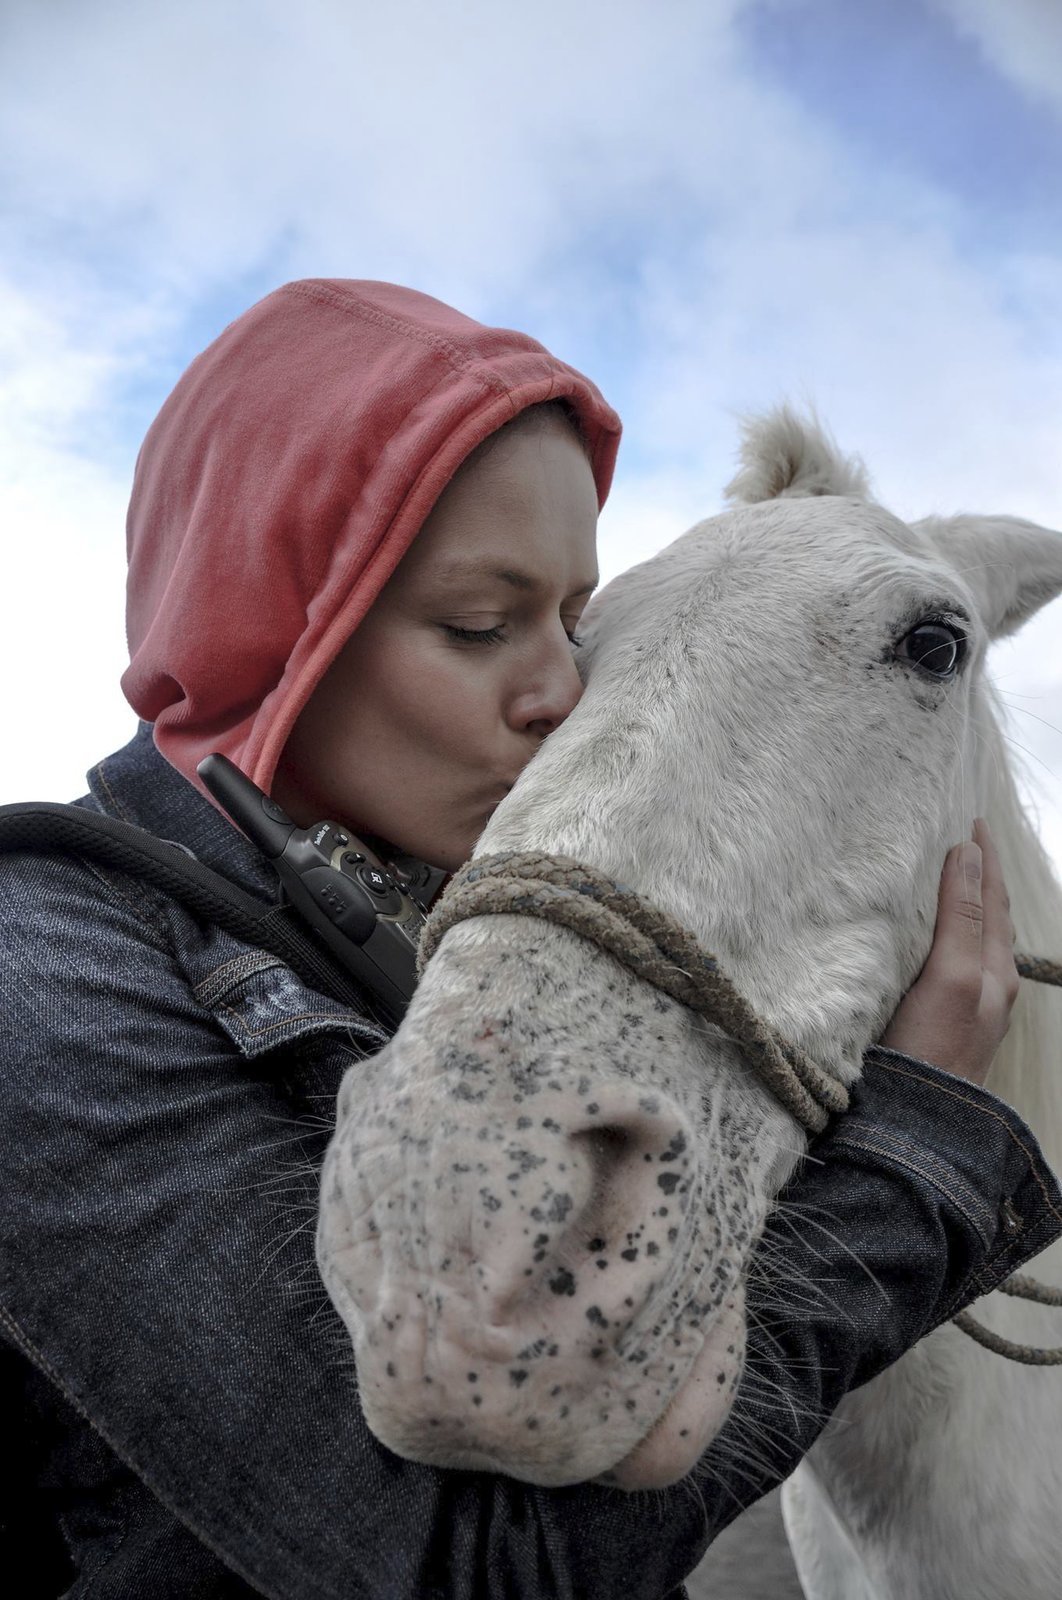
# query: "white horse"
539,1204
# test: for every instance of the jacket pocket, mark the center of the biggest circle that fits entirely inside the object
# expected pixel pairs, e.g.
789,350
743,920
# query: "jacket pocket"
261,1004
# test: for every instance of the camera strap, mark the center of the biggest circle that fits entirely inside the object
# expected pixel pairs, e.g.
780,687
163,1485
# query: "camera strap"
72,831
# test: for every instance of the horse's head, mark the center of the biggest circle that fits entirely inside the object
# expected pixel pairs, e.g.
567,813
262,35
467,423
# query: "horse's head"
539,1204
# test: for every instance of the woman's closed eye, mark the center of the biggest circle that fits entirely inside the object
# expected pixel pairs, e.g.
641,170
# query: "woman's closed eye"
495,635
474,635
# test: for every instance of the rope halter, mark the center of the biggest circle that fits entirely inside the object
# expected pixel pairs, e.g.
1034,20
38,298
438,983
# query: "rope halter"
654,946
649,943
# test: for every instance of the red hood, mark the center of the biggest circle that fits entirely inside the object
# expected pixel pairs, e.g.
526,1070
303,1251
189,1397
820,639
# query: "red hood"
283,480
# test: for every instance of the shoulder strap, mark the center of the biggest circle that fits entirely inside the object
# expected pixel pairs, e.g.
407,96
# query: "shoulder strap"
71,830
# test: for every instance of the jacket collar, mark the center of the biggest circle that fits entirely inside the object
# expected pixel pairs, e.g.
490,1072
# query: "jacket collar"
140,786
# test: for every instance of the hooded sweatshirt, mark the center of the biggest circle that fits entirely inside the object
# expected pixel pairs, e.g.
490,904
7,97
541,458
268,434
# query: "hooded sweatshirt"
282,482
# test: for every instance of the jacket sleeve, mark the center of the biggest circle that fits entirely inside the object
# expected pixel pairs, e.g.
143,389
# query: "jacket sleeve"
158,1139
926,1195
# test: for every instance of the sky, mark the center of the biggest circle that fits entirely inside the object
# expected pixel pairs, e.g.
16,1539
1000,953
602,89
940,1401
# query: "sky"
708,205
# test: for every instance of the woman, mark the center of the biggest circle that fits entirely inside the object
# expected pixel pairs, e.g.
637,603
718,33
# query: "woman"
361,534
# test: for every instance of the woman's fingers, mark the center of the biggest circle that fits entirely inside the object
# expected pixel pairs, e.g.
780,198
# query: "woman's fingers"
960,921
958,1011
997,942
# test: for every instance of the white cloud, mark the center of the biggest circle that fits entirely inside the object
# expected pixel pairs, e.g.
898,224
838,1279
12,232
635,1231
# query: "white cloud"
464,140
62,509
62,627
610,175
1022,39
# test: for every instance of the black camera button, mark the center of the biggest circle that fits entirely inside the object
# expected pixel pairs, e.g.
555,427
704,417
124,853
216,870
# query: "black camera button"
351,858
275,812
377,882
382,887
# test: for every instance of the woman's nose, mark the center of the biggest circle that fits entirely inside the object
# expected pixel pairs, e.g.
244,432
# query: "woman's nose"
552,694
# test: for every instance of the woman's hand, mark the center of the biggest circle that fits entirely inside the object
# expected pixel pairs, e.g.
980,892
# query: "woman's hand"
956,1013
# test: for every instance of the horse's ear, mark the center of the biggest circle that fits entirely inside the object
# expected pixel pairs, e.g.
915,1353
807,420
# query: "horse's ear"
1013,567
783,454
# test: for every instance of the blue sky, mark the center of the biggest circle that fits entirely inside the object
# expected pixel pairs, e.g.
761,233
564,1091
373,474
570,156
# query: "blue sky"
709,205
911,95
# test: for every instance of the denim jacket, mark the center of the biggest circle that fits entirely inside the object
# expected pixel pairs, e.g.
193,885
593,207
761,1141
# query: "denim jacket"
180,1393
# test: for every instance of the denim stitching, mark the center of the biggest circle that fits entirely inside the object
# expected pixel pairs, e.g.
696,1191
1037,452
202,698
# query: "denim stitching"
222,978
988,1111
903,1149
987,1278
874,1150
120,809
39,1360
303,1016
112,883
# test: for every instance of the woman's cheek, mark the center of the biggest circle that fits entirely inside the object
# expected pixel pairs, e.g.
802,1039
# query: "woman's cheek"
469,678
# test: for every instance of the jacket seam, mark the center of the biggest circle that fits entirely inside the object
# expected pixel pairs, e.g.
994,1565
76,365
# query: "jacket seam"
118,896
976,1105
285,1022
121,810
434,341
870,1148
901,1147
250,962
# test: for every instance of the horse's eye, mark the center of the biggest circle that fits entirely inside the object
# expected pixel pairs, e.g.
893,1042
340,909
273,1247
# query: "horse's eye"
938,647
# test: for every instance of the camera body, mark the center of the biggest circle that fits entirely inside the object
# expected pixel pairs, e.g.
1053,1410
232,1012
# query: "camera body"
368,911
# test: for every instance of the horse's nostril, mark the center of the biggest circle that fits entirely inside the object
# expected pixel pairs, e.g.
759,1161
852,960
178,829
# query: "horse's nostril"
621,1132
638,1155
610,1149
609,1140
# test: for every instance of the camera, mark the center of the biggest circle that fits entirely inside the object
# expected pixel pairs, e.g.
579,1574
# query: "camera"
369,911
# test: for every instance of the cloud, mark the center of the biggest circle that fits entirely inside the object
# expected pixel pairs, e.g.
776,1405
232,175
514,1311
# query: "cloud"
465,141
617,178
1022,39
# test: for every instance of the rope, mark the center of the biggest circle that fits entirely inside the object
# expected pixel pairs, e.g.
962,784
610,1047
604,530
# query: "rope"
1024,1289
650,944
1028,1289
654,946
1029,1355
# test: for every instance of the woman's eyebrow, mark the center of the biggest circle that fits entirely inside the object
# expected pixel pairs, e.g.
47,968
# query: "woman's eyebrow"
456,570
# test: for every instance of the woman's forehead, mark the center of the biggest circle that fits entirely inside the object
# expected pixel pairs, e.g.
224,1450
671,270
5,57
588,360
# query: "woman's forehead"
464,568
524,515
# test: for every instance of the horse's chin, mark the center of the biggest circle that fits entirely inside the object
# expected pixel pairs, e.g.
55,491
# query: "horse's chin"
697,1411
563,1456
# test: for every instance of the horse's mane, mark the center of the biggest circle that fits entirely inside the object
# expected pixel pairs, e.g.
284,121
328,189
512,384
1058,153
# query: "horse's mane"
1028,1069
